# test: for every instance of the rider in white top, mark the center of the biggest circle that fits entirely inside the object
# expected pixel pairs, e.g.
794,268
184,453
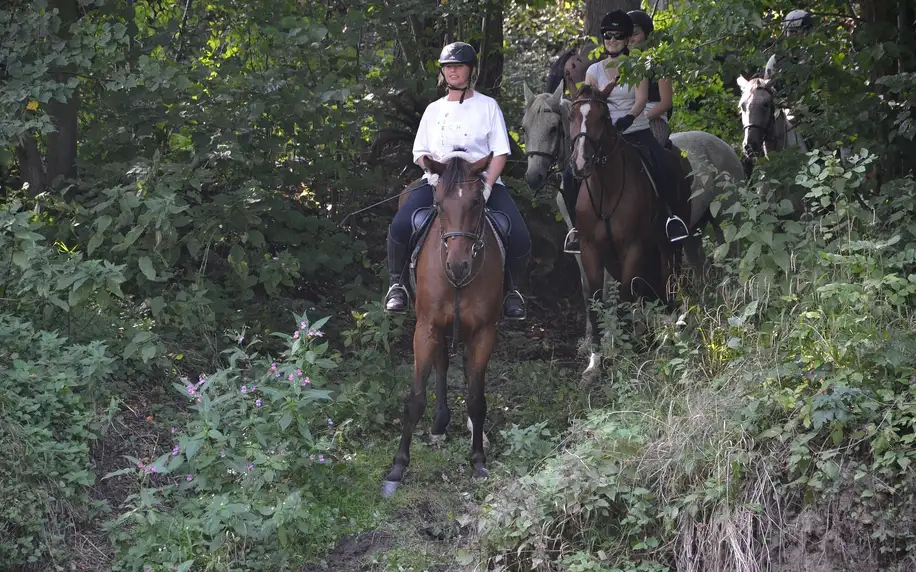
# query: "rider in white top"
468,121
627,108
621,101
475,124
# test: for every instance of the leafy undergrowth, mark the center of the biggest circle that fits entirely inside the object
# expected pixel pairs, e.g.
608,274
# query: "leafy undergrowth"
775,431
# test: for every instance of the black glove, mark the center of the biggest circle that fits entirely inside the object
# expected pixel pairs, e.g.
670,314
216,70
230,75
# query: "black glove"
624,122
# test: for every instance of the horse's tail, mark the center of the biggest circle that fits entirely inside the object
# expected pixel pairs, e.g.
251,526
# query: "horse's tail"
555,76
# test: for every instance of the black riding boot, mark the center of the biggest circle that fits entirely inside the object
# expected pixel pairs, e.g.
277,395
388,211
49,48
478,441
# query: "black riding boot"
396,301
516,277
570,197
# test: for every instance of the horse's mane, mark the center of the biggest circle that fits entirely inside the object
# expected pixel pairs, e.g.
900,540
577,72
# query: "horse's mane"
457,164
555,76
588,91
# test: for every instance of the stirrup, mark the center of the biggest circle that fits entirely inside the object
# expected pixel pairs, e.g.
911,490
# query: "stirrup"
671,219
388,297
572,235
524,305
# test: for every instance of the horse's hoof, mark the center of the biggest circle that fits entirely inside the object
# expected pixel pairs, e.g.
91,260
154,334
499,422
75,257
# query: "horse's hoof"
436,440
389,488
481,473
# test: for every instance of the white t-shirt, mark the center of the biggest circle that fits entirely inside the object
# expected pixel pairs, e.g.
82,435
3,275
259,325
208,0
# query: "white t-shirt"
477,125
621,100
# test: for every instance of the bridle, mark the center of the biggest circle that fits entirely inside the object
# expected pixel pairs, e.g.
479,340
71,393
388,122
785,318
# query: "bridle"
553,157
478,237
767,129
596,158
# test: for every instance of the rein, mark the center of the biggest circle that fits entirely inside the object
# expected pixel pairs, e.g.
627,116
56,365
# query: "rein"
478,246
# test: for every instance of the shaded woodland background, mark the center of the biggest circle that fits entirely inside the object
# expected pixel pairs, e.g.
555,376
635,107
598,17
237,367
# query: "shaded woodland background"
198,375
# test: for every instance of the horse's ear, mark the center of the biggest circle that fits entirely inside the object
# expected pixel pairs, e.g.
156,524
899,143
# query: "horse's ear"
565,108
557,93
529,97
742,83
477,167
608,89
433,166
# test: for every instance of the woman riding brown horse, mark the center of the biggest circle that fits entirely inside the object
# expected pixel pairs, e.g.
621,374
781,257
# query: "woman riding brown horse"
459,277
621,218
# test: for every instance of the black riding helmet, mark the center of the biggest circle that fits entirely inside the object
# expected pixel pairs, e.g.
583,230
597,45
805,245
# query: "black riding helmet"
797,21
617,21
458,53
643,20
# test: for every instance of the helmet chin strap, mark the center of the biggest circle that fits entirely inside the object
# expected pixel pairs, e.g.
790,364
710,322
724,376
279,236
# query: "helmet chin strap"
463,90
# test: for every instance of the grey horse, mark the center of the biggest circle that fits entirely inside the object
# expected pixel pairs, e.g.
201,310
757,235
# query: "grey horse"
546,126
767,127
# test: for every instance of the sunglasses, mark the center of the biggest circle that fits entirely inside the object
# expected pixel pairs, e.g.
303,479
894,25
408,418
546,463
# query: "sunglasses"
614,36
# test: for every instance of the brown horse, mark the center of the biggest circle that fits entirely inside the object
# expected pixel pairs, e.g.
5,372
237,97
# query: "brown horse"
459,276
570,67
620,217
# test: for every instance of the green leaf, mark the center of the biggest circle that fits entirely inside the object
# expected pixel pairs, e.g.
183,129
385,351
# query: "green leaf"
102,223
131,237
192,447
146,266
184,566
94,242
21,259
119,473
286,420
148,352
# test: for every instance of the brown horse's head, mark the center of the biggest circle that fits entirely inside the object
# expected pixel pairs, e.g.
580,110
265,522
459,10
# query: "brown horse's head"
589,122
459,201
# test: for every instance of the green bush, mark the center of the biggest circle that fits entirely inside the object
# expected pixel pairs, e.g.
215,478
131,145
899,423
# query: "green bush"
48,421
243,481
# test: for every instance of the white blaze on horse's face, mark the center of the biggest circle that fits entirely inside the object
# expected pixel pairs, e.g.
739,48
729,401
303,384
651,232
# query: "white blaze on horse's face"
580,142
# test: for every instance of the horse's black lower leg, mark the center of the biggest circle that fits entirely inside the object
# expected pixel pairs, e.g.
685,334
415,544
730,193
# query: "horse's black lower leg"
478,355
425,344
443,415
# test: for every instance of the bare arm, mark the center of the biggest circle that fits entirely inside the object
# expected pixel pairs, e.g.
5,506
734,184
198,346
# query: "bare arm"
497,164
666,95
642,96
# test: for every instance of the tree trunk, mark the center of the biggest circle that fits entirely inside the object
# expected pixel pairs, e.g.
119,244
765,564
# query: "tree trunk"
595,10
491,53
40,172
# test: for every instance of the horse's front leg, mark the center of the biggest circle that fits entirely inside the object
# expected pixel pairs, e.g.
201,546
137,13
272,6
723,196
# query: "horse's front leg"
593,287
426,342
443,415
478,350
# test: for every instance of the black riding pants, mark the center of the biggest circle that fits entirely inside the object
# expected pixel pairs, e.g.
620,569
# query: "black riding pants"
500,200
